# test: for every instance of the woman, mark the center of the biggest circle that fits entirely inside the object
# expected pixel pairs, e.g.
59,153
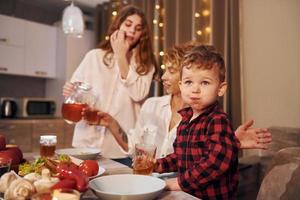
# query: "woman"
120,73
158,118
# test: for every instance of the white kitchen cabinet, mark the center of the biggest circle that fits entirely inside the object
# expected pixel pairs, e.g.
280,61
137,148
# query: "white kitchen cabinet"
40,50
12,45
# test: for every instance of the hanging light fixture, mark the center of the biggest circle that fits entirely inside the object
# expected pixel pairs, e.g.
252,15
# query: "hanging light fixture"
72,21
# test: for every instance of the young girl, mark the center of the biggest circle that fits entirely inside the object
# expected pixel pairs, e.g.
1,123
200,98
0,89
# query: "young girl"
120,73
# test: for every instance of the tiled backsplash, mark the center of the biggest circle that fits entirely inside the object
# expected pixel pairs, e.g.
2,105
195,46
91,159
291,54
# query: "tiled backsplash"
21,86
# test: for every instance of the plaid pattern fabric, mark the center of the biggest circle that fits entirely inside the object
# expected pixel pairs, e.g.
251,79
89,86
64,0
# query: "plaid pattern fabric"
205,155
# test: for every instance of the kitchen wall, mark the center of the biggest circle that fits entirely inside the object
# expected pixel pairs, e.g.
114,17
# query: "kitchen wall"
270,59
20,86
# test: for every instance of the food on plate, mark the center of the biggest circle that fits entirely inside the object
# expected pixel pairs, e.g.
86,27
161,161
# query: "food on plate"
66,194
32,177
35,166
46,182
6,179
2,142
19,189
65,184
74,174
89,167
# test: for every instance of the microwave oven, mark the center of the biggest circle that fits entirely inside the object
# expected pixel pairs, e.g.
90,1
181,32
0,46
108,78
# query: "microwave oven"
29,107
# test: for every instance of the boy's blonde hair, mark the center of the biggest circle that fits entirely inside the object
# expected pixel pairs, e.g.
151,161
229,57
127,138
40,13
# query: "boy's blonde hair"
204,57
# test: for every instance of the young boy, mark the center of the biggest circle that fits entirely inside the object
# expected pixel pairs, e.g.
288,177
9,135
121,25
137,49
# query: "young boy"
206,149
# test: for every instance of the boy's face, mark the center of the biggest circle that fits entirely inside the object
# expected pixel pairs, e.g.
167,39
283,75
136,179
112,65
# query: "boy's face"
170,79
201,87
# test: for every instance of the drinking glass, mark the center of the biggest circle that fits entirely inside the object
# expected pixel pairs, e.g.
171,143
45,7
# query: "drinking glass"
90,114
47,145
144,158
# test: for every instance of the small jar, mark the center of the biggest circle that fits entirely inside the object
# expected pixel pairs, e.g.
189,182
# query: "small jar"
47,145
79,99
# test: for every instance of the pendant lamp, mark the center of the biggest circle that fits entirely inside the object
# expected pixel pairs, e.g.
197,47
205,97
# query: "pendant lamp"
72,21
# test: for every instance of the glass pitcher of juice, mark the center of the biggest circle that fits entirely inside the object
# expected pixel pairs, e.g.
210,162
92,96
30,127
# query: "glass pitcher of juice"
79,99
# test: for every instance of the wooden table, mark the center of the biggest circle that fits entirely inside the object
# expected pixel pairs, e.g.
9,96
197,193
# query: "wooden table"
112,167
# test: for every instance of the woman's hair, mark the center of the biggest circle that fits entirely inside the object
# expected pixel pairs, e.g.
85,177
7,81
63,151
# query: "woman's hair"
176,54
144,54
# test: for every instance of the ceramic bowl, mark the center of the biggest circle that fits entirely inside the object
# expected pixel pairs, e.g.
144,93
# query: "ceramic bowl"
127,187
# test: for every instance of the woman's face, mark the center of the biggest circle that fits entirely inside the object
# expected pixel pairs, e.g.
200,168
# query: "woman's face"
132,26
170,79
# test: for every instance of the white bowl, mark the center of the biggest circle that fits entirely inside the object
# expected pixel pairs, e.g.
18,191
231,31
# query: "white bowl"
80,153
127,187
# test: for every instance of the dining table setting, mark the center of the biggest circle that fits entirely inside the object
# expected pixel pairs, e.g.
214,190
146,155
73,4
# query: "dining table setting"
110,168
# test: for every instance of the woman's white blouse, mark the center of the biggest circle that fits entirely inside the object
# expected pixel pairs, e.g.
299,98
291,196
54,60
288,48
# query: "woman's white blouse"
155,112
121,98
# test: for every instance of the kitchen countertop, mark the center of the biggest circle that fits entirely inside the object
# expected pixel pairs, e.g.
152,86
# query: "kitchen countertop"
112,167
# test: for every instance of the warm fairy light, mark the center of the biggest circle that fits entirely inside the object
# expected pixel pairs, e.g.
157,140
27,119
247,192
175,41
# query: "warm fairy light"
199,32
208,29
156,37
161,24
114,13
154,21
161,53
106,37
205,13
163,66
157,6
197,14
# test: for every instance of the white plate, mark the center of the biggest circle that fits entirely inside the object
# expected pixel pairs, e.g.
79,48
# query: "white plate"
100,172
81,153
127,186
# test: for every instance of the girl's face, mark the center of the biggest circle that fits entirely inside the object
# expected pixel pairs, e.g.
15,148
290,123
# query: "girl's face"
132,26
170,79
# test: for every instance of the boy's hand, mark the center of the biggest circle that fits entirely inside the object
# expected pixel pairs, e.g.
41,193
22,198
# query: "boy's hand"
172,184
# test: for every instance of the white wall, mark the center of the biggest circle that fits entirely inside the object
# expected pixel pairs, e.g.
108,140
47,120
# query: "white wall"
270,57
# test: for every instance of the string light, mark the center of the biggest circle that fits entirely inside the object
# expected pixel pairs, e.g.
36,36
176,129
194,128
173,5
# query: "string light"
199,32
157,6
202,28
208,29
163,66
197,14
161,53
205,13
161,24
154,21
107,37
114,13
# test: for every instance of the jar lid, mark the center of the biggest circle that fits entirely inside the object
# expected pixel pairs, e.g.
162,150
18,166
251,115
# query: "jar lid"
48,138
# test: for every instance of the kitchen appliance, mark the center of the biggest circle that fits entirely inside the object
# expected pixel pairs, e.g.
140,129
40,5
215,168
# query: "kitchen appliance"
8,107
30,107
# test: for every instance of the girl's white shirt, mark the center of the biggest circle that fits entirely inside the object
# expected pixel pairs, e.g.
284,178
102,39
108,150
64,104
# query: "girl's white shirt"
155,112
121,98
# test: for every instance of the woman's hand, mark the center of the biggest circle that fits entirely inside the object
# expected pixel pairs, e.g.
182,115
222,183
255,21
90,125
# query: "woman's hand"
253,138
118,43
68,89
172,184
